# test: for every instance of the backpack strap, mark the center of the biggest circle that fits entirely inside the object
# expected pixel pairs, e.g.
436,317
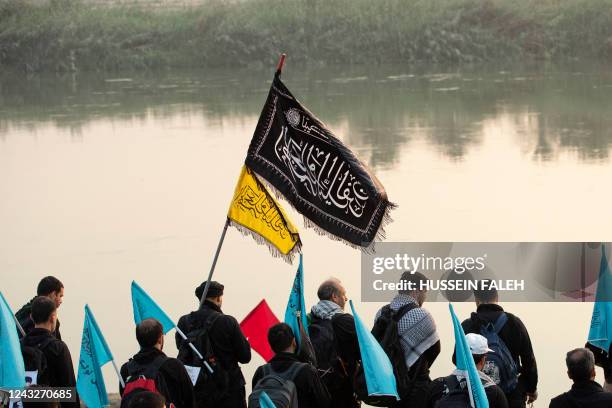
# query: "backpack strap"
500,322
148,371
452,383
397,316
293,371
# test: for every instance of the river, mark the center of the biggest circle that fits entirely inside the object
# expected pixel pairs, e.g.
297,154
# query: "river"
109,178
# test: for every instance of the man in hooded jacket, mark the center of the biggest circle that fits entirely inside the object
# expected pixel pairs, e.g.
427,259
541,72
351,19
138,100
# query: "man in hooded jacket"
228,344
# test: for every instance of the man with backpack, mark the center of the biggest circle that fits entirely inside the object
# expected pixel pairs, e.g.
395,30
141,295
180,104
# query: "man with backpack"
452,392
407,333
512,366
151,370
288,382
47,360
585,392
219,340
333,337
50,287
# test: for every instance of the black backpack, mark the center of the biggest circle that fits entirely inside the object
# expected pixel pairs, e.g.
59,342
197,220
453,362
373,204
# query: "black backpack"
209,386
279,386
386,332
35,362
322,338
500,365
456,397
145,377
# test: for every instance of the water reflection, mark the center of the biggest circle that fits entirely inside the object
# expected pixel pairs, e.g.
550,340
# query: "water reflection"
378,111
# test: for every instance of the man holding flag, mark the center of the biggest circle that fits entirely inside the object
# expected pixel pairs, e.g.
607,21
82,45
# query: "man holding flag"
454,387
229,347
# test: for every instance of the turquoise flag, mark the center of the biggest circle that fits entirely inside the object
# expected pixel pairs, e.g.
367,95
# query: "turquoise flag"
12,370
465,362
296,304
376,364
145,308
94,354
265,401
600,334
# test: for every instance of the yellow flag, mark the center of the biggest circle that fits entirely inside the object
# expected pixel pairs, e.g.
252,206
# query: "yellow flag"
255,212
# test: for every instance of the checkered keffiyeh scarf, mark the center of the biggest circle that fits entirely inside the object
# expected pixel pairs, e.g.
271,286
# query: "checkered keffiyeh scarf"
325,309
416,329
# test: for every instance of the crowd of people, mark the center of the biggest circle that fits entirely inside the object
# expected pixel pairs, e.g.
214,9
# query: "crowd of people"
207,372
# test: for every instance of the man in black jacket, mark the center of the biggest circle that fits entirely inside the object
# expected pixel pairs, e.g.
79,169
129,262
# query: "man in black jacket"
515,336
418,337
585,392
311,391
50,287
333,336
172,379
441,387
229,347
59,370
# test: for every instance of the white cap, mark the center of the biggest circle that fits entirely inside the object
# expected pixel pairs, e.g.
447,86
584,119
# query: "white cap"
478,344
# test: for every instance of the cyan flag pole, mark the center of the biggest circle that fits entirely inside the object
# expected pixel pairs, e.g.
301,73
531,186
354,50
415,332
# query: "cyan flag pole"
118,374
212,268
19,326
194,349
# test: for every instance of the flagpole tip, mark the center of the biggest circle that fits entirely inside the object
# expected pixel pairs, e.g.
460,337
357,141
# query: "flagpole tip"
281,63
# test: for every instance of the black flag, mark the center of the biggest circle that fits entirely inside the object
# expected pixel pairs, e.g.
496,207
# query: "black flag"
319,176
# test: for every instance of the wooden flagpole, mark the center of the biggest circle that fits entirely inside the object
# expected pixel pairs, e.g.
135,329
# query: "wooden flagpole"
279,69
214,263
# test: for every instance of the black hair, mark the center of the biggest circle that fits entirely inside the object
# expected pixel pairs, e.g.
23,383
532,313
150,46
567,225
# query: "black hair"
580,364
48,285
485,294
328,289
478,357
42,309
148,332
414,278
147,399
280,337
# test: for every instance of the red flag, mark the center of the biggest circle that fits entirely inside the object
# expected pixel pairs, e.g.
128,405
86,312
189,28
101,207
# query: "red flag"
255,327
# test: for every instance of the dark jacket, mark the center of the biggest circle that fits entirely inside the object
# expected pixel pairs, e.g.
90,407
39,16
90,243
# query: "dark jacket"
228,343
438,388
515,336
60,371
179,387
310,389
584,394
24,319
339,381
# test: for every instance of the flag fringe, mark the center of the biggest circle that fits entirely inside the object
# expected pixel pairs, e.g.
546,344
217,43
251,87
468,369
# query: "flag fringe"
308,223
271,247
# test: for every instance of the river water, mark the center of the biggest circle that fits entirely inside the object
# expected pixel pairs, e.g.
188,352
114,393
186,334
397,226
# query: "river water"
105,179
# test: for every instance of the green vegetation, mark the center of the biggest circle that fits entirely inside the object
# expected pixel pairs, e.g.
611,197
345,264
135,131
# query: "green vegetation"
66,35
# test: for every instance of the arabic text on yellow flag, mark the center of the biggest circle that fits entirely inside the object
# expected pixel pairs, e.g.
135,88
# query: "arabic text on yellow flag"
255,212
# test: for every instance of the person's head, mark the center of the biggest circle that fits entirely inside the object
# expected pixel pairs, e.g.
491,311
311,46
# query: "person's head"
44,313
486,295
333,290
51,287
214,294
580,364
150,333
147,399
412,286
281,338
479,347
